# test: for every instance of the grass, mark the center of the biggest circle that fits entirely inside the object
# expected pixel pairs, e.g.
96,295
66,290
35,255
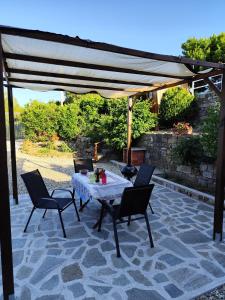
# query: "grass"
58,149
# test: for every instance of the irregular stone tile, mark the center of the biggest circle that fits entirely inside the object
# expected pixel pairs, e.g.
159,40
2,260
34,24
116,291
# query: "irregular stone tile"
101,290
140,253
177,247
77,289
106,271
181,275
78,254
25,293
159,266
186,220
173,291
201,218
36,255
103,235
134,294
51,283
93,258
71,272
18,243
147,266
170,259
156,225
119,262
160,277
220,258
164,231
197,281
48,265
136,261
204,207
51,297
107,246
72,244
124,236
121,280
139,277
129,250
77,232
117,296
55,252
92,242
193,237
17,257
24,272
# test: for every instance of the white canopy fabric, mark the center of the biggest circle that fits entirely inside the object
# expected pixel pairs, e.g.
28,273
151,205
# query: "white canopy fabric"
45,61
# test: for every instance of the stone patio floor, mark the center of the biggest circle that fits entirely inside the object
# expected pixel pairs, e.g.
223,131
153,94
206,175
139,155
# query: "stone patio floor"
184,263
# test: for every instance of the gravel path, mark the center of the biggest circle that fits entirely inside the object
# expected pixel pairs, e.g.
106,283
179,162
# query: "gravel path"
56,171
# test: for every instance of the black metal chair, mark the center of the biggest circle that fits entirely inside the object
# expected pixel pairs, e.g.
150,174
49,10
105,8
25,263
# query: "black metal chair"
144,176
134,201
79,164
42,200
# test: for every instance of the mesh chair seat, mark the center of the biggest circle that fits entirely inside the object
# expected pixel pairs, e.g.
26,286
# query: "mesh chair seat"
54,203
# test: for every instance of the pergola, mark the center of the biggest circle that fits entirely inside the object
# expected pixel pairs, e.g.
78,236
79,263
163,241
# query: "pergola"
47,61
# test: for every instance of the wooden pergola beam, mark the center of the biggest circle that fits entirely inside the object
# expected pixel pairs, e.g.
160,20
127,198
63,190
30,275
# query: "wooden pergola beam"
77,77
77,64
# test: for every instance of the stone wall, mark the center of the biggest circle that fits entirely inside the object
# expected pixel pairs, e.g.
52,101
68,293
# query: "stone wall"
205,100
159,147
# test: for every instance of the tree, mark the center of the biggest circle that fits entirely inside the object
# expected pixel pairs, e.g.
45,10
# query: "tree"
210,49
177,105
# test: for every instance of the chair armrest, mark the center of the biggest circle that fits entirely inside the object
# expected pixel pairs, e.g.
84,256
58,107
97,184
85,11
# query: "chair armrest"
65,190
47,203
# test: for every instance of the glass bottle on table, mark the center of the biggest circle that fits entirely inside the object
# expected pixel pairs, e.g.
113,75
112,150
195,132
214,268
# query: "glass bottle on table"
103,177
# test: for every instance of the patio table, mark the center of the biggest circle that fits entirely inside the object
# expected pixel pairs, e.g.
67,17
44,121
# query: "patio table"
86,189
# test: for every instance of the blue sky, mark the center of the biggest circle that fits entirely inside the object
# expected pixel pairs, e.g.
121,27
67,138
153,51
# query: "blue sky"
156,26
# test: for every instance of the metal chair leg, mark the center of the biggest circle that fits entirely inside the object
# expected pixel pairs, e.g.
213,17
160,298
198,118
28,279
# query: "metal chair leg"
149,230
78,217
129,219
116,238
44,213
151,208
101,218
82,206
29,219
61,221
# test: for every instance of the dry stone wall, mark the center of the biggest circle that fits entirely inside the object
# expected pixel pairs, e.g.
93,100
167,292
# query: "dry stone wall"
159,147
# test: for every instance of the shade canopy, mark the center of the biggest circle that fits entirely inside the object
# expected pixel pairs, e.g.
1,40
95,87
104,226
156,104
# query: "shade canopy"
47,61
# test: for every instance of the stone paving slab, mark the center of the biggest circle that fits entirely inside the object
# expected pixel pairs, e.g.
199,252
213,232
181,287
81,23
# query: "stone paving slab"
184,263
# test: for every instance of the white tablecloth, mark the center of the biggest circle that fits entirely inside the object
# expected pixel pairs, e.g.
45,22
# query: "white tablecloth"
86,190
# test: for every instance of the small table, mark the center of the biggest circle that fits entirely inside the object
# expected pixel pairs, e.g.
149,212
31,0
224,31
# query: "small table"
87,190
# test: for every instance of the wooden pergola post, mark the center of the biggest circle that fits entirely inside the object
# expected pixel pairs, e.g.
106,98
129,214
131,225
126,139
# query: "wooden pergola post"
220,163
12,144
5,224
129,129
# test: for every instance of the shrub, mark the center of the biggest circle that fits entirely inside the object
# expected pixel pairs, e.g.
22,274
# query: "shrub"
176,105
69,121
63,147
188,151
210,128
40,121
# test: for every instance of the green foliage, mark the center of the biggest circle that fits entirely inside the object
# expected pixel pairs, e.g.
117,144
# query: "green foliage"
40,120
89,115
177,105
69,123
114,124
211,49
188,151
63,147
210,128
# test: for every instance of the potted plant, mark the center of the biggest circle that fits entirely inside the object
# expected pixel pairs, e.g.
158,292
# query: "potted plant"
182,128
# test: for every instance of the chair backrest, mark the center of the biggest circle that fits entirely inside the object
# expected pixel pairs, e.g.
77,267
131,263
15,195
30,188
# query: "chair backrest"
83,163
135,200
35,186
144,175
